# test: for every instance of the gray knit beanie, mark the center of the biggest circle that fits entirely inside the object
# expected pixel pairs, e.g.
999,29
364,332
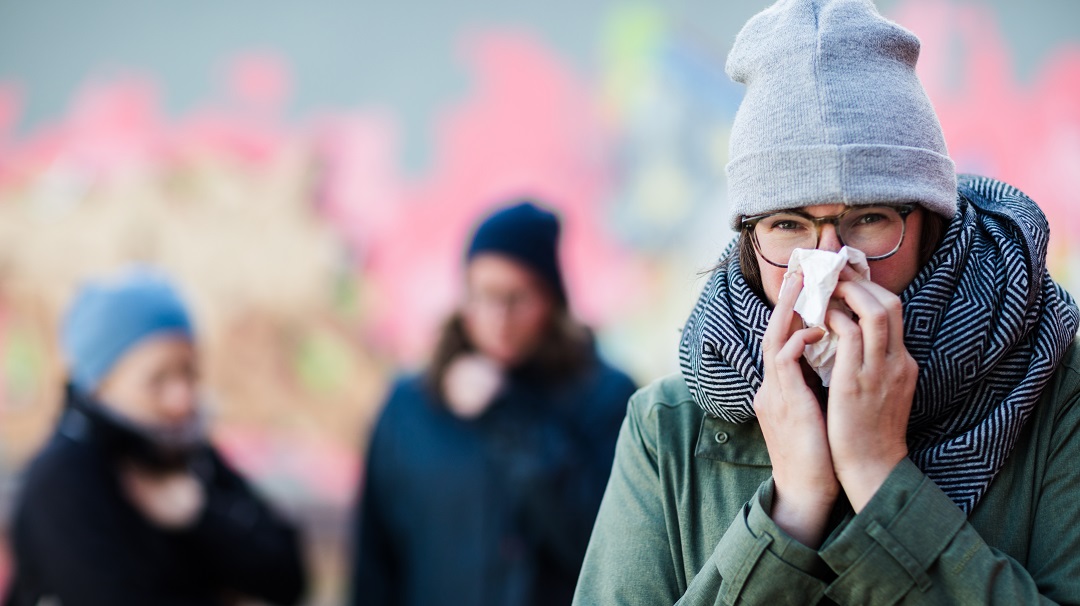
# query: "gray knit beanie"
833,113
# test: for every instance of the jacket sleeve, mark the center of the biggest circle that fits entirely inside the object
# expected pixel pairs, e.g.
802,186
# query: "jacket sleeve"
562,481
629,555
911,543
758,563
250,549
375,578
630,559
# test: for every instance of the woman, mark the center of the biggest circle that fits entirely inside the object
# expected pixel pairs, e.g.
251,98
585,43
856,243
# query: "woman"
484,473
128,504
939,466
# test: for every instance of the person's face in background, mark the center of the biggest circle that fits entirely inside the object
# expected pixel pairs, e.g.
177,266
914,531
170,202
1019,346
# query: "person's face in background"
507,309
155,384
894,272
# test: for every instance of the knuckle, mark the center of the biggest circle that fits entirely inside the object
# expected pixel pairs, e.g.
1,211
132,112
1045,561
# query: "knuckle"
910,365
761,402
780,362
848,329
769,346
877,320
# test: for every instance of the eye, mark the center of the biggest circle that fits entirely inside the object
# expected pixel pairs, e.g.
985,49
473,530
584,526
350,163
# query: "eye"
870,218
785,224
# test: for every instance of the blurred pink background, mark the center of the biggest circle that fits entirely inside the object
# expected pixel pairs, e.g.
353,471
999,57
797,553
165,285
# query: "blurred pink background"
311,188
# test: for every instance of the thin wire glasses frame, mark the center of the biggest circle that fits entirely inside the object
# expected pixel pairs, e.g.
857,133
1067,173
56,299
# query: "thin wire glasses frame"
750,223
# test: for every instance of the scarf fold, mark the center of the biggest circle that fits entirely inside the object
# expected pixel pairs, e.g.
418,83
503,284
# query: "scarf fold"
983,319
161,449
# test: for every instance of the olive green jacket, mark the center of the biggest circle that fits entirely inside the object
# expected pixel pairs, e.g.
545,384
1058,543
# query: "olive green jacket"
685,520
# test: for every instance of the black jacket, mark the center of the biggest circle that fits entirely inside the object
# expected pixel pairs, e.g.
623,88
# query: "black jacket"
494,511
77,538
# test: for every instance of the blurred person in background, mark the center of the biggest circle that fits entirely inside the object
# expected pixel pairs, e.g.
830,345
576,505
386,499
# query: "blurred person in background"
128,503
485,472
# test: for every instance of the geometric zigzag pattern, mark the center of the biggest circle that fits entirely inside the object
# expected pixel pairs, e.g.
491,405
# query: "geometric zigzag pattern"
983,319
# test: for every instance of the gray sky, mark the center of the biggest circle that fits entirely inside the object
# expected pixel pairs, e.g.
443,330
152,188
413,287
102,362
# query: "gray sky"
398,54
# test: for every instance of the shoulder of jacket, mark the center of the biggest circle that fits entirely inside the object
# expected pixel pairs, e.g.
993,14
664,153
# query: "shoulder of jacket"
606,371
407,389
1070,370
608,379
1059,408
408,400
64,469
667,392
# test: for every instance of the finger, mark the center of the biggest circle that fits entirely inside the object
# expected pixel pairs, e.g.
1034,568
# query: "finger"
779,329
849,274
849,346
788,361
873,317
887,299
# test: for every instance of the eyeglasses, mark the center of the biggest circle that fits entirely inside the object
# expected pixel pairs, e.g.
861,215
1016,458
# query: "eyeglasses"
878,231
512,302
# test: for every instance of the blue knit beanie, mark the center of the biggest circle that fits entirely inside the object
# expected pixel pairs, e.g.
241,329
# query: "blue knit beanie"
526,233
110,316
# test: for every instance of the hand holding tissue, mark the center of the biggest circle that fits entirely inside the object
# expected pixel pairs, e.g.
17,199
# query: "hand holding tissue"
821,271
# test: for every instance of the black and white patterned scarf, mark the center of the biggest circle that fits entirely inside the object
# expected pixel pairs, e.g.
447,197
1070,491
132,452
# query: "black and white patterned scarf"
984,320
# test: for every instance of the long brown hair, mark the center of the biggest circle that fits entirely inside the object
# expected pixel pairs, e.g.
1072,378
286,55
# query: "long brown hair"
565,351
933,229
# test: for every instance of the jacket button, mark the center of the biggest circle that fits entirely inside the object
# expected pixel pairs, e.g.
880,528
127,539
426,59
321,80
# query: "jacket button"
721,437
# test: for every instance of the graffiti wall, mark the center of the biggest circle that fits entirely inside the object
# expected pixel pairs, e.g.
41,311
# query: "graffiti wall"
320,255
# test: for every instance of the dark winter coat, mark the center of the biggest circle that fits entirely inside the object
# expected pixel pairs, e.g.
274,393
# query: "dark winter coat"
78,539
493,511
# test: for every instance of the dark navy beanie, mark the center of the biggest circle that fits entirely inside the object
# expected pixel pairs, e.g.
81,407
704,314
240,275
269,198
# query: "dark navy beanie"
110,316
526,233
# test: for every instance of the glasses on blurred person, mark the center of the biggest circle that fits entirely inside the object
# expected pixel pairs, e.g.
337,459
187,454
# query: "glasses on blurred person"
877,231
513,302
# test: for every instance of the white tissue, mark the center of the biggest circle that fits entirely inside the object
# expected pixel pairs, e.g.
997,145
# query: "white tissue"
821,271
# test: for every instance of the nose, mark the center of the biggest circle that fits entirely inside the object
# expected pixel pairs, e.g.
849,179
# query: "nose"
180,401
829,239
500,314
